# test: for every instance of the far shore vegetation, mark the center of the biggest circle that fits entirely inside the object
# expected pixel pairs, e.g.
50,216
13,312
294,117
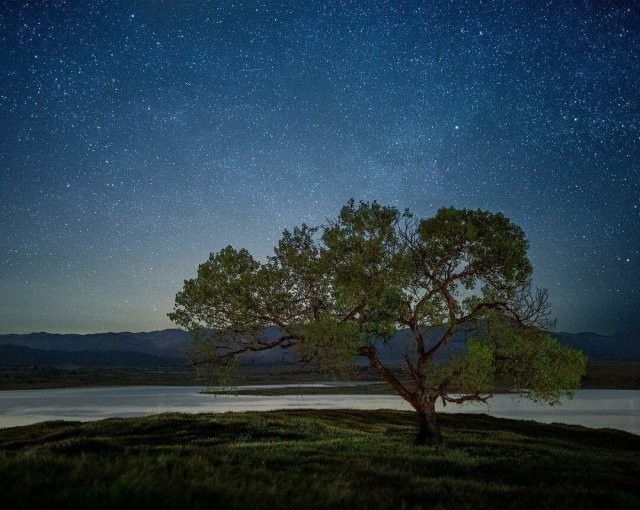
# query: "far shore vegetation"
601,375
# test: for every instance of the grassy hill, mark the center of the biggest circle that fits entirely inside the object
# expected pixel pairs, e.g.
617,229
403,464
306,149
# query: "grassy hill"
315,459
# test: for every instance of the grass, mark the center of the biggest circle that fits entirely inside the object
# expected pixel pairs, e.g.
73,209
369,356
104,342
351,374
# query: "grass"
315,459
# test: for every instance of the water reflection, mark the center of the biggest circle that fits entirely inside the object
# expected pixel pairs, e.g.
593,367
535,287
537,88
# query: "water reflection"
592,408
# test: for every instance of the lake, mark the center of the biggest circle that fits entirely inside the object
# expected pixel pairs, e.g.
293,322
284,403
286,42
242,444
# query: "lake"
618,409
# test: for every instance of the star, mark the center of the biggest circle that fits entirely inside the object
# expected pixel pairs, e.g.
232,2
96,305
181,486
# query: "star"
126,146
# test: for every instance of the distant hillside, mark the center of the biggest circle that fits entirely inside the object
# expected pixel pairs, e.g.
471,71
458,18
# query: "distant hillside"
170,346
170,343
14,355
623,346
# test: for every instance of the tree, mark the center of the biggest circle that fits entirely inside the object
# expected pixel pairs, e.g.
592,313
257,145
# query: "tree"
336,292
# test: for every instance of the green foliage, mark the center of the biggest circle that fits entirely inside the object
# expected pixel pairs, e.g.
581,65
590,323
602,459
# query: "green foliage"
364,256
492,248
529,362
332,290
472,372
532,362
331,344
223,296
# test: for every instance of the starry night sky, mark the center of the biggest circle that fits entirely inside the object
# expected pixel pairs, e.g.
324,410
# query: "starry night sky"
137,137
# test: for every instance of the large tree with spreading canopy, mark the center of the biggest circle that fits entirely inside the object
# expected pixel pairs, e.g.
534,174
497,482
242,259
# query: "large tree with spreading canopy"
339,291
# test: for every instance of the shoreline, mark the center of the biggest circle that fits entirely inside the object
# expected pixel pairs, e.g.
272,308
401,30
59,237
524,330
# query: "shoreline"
603,375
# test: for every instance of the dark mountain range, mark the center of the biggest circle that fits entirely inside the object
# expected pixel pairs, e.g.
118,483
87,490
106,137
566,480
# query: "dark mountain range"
169,343
14,355
623,346
170,346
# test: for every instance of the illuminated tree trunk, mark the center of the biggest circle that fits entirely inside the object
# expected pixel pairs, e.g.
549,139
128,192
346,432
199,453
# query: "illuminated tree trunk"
429,431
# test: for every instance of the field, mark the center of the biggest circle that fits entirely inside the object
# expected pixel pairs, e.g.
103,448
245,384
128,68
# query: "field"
316,459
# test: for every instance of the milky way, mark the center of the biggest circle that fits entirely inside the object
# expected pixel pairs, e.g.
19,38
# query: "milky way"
137,137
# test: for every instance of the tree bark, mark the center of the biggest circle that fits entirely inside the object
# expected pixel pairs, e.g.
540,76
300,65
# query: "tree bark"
429,431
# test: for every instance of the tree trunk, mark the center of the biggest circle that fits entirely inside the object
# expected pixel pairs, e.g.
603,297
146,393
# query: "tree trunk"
429,431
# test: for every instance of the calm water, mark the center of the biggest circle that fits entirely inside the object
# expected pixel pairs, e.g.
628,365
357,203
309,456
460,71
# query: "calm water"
619,409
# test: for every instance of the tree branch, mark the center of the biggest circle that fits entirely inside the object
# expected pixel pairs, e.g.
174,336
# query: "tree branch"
464,398
353,313
371,354
285,341
442,342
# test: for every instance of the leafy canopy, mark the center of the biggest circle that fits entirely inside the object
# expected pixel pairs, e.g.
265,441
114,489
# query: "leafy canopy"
336,292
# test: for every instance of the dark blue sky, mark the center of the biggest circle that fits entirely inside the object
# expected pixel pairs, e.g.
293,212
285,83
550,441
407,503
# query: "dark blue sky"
136,137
